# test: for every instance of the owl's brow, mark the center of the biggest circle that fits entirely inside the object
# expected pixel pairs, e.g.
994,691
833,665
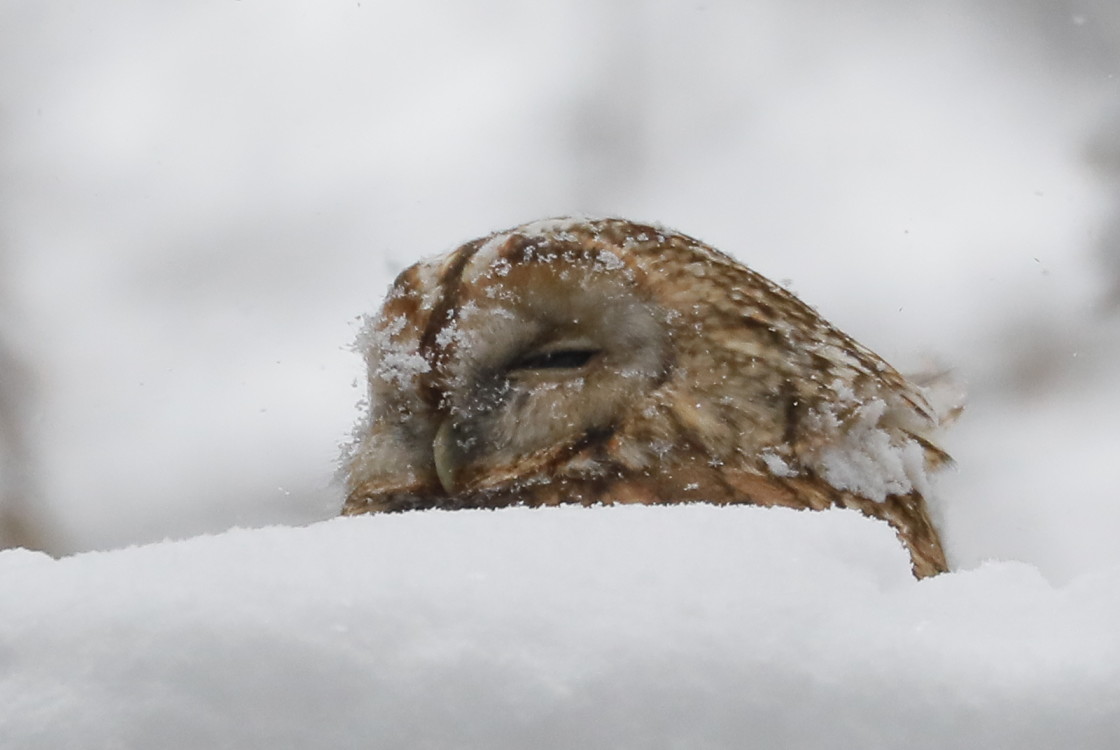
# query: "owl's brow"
450,282
578,246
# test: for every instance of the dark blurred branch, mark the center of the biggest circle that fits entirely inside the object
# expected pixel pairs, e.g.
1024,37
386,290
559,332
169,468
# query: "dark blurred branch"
18,525
1104,155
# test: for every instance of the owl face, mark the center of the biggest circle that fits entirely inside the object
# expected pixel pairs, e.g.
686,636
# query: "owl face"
606,361
491,366
525,365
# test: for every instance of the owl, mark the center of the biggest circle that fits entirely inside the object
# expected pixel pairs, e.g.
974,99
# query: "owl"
601,361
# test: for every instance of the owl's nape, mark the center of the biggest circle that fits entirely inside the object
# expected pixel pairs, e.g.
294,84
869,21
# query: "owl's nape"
602,361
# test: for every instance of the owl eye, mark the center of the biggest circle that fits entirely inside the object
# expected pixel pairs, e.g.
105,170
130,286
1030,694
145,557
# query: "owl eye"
557,359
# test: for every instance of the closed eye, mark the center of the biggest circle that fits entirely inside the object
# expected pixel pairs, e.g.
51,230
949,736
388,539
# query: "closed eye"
559,359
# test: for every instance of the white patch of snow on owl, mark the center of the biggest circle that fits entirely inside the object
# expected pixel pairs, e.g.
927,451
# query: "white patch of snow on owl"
559,226
500,268
843,391
611,262
485,262
447,335
428,272
456,331
777,465
395,362
863,458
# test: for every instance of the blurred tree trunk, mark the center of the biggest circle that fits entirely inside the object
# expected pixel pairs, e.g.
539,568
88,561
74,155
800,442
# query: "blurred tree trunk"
1104,154
18,525
1085,34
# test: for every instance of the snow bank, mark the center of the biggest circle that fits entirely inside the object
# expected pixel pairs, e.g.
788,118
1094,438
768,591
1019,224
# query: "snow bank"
644,627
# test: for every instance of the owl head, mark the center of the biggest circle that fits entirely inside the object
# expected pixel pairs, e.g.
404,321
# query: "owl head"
576,360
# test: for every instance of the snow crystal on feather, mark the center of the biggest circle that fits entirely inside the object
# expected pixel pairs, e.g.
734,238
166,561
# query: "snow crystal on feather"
556,228
863,457
394,361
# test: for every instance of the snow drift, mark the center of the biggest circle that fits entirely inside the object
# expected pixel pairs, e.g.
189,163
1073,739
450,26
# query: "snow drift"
683,626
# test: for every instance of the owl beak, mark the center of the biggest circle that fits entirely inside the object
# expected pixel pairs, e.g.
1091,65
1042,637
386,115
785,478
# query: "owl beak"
448,456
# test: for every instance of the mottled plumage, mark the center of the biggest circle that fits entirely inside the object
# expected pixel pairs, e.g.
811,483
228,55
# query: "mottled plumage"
604,361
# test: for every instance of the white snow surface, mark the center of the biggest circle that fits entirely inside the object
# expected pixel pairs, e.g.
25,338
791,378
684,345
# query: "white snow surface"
625,627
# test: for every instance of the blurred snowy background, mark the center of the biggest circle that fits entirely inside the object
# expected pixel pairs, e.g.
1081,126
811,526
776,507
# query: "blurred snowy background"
197,200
